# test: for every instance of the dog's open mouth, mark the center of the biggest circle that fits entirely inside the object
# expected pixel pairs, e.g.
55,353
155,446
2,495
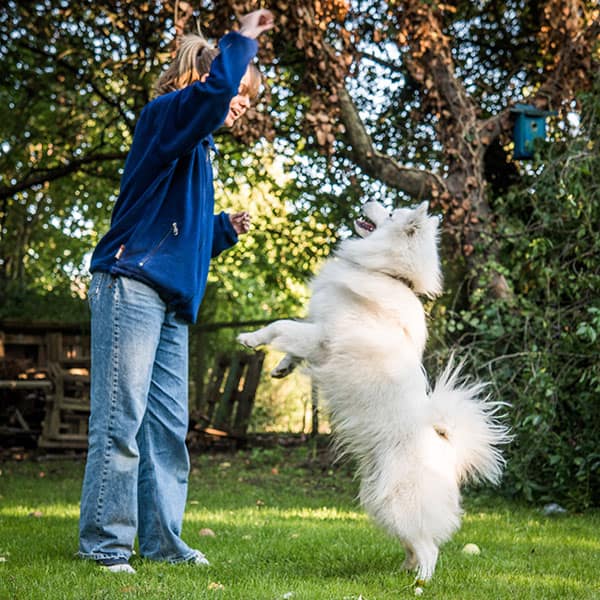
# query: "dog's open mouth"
364,226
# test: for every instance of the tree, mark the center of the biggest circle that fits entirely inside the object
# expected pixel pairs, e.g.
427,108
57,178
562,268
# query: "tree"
352,86
453,62
540,347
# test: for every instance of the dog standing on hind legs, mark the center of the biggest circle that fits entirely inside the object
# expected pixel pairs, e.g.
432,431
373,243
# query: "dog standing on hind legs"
363,343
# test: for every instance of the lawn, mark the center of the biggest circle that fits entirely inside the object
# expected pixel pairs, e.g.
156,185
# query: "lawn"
283,524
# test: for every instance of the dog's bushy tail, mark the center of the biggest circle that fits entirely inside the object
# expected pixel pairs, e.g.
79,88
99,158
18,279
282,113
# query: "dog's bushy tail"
471,423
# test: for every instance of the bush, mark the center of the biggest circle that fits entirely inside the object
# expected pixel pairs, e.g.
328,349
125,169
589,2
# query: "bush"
541,347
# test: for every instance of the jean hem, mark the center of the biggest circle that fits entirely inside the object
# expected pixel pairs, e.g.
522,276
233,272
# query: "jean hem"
184,559
173,561
103,556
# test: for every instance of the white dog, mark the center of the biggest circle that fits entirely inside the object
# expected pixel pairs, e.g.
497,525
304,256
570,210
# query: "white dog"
363,341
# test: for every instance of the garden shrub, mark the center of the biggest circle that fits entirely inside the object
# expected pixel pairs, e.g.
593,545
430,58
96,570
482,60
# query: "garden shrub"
540,348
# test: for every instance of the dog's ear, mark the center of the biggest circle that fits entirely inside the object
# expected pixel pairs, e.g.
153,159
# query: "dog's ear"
422,209
417,219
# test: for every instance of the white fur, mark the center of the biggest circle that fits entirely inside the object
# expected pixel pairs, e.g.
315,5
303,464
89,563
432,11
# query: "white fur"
363,342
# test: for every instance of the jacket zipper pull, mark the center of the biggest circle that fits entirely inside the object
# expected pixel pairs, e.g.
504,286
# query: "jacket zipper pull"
175,229
120,251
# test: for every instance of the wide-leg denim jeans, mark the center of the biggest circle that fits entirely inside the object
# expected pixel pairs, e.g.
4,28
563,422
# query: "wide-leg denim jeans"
137,466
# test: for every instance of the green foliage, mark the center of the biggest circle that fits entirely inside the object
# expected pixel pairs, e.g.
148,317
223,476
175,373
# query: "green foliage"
265,275
30,303
540,348
76,78
65,127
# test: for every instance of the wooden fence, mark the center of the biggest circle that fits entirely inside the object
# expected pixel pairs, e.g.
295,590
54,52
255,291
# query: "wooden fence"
45,385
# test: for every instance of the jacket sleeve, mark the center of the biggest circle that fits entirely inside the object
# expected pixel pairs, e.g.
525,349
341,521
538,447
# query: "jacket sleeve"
184,117
224,235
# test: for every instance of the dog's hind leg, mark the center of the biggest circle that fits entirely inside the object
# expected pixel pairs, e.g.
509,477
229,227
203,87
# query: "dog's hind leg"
426,553
286,366
298,338
410,561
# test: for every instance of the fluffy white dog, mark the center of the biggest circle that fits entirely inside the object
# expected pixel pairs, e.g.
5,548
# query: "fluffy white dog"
363,341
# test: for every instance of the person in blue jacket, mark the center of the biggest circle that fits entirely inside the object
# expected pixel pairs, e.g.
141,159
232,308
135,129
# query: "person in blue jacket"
149,276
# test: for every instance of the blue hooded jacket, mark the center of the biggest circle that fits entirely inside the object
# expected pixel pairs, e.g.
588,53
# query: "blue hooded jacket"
163,231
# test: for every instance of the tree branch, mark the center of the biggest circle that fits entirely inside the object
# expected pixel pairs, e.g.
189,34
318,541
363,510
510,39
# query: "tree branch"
388,64
40,176
417,183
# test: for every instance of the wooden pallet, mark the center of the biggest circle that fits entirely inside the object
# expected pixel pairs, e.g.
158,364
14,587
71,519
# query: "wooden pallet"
67,405
59,357
230,395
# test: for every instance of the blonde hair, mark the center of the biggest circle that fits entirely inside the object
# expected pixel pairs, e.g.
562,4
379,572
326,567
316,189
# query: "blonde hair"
192,62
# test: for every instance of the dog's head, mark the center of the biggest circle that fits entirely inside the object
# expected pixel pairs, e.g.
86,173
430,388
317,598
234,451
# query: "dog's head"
402,243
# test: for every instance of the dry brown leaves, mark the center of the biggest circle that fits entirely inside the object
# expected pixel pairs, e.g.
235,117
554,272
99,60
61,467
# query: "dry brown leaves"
568,38
301,25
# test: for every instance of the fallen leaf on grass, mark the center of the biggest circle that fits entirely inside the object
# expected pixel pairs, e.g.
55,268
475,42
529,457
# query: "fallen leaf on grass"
207,532
214,585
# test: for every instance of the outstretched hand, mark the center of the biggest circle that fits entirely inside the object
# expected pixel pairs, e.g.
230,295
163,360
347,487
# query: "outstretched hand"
240,222
256,22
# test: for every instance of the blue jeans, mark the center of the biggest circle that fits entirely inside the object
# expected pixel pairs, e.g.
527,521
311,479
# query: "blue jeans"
137,465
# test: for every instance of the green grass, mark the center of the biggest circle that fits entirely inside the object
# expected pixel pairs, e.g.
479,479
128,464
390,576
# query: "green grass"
287,526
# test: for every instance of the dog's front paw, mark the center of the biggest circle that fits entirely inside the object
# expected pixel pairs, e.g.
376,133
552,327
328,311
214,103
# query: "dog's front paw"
250,340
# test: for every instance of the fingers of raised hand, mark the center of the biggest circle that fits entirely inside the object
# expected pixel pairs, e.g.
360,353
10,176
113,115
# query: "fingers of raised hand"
256,22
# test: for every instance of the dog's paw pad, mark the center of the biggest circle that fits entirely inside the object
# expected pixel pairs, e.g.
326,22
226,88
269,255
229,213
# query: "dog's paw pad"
281,372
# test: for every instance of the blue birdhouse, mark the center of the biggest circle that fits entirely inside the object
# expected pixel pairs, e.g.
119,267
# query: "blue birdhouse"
530,125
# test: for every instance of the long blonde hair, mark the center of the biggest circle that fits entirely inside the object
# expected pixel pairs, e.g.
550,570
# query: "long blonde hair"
192,62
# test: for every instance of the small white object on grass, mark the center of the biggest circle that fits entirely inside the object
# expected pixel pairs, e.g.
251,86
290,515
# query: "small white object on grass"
418,591
471,549
120,568
553,509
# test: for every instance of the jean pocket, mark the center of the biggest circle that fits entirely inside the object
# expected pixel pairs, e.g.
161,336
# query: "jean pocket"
95,289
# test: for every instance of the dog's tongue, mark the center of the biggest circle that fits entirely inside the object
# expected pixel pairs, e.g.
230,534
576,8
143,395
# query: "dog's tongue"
365,225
